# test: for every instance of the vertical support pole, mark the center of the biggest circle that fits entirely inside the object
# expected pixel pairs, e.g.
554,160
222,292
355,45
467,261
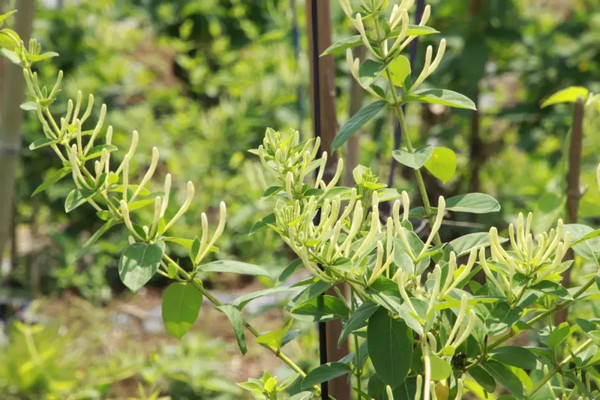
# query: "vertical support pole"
11,115
322,72
573,186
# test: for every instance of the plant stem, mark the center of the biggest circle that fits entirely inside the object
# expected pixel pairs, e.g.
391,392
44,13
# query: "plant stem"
277,352
546,313
558,367
358,369
409,147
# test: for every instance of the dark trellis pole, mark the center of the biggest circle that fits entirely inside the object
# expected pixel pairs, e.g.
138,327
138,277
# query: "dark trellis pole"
318,15
317,129
318,133
573,185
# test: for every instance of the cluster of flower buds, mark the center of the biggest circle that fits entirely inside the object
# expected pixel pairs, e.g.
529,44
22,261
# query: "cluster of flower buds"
386,45
538,259
100,186
290,162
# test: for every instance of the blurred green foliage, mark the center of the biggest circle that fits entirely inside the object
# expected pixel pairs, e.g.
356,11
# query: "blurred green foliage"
197,79
78,357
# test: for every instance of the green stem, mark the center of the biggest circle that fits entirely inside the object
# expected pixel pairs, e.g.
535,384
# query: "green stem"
409,147
358,369
546,313
531,322
559,367
277,352
405,137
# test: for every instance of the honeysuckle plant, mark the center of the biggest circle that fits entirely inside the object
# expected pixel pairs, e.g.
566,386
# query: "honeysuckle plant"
421,326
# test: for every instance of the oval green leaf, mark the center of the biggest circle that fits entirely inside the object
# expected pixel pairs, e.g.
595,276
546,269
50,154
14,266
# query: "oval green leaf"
180,308
234,267
392,347
325,373
442,164
568,95
356,122
515,355
138,264
413,160
400,69
442,96
474,203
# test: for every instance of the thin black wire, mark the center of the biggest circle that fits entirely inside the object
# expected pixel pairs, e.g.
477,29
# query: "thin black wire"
317,128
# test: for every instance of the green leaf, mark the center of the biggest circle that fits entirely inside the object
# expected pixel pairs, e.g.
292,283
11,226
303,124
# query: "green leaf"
324,373
41,57
400,69
77,197
369,71
558,335
94,238
96,151
51,178
289,270
237,321
243,300
356,122
413,160
138,264
275,338
392,347
483,378
3,17
11,56
406,391
263,223
464,244
440,368
553,288
415,30
271,190
443,97
474,203
515,355
341,46
29,106
442,164
180,308
39,143
505,376
358,319
568,95
586,248
234,267
323,308
388,194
